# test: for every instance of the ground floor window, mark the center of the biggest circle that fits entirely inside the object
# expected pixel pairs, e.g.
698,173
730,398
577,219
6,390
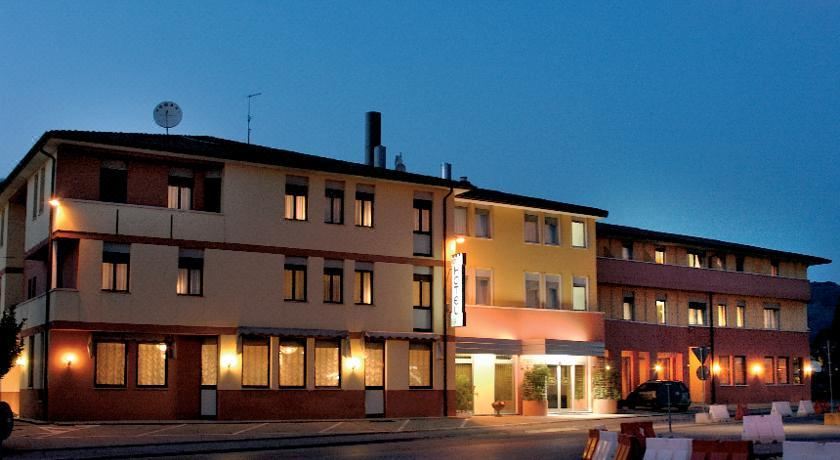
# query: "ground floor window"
723,369
292,363
209,363
374,365
797,371
151,364
769,370
255,362
420,365
110,364
739,370
327,363
782,370
503,382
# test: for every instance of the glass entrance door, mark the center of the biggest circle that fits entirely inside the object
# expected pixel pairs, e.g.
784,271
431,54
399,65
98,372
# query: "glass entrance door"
553,390
564,381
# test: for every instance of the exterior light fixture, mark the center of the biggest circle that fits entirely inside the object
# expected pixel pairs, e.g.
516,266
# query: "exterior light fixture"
20,361
460,240
354,363
808,369
607,367
716,368
162,347
69,359
757,369
228,360
55,202
657,368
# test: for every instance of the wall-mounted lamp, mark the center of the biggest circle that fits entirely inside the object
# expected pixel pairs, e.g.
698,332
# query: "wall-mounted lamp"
808,369
607,367
228,361
757,369
657,368
162,347
354,363
69,359
20,361
460,240
55,202
716,368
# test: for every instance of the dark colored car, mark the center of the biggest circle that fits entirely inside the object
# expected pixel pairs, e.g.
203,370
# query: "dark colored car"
653,394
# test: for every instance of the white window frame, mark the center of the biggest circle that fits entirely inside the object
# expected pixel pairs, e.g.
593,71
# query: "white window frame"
585,290
581,224
558,279
533,277
483,273
489,230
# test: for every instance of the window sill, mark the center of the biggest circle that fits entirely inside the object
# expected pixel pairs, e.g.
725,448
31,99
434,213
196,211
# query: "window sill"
421,388
328,388
111,291
106,387
330,302
552,245
418,254
364,304
295,300
190,295
364,226
152,388
295,220
334,223
532,243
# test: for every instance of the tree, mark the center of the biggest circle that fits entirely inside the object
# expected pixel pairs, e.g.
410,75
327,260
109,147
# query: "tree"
11,343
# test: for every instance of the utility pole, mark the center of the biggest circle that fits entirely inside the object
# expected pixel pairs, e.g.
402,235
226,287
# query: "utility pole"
830,379
249,113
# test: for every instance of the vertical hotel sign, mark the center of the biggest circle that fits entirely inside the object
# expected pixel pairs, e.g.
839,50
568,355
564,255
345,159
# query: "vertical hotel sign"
457,315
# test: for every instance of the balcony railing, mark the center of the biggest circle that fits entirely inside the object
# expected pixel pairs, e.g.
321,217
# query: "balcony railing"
519,323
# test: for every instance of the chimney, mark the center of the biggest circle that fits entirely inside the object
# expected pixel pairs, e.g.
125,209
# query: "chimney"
398,163
373,135
446,171
379,153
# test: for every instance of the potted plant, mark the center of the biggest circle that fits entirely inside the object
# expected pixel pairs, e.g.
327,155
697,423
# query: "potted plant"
606,390
535,390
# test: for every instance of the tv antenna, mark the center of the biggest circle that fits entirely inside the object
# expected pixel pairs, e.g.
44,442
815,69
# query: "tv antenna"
249,113
167,115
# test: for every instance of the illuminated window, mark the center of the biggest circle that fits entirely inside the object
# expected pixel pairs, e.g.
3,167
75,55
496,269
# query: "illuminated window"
532,290
579,287
363,282
292,363
364,206
551,230
721,315
741,315
578,234
627,251
771,316
334,209
294,279
725,373
782,376
419,365
422,295
460,220
180,190
797,371
659,255
327,363
696,313
110,364
661,311
115,266
209,363
629,307
532,223
190,272
255,362
695,259
151,365
482,223
374,365
333,281
297,189
769,370
739,370
422,227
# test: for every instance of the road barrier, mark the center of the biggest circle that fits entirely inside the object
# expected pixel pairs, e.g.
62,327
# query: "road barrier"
668,449
763,429
831,418
782,408
740,411
806,407
811,450
719,413
721,450
591,445
607,446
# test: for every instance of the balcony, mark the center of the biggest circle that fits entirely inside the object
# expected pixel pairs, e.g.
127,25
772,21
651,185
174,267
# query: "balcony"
674,277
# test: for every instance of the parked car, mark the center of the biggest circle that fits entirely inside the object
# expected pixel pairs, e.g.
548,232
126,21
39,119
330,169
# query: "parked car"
654,395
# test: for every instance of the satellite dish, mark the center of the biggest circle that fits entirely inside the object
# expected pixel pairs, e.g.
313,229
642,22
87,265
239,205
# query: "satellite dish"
167,115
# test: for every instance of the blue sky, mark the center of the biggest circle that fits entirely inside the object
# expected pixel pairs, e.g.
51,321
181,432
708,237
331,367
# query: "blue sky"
718,119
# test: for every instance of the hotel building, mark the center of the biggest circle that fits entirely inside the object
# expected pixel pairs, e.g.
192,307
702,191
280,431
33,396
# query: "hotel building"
666,295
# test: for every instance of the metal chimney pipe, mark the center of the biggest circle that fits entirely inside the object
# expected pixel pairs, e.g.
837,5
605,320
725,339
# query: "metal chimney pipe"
380,155
446,171
373,134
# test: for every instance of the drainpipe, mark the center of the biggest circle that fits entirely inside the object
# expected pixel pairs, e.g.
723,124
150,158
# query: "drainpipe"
49,287
713,379
445,335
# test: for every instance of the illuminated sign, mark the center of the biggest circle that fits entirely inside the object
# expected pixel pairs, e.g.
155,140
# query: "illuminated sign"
457,315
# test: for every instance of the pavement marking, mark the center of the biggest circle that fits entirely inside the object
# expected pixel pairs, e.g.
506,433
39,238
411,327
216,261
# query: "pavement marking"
159,430
464,423
329,428
403,425
55,431
249,429
552,430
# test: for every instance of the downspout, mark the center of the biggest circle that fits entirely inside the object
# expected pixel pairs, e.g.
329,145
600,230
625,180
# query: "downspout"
713,378
445,335
49,287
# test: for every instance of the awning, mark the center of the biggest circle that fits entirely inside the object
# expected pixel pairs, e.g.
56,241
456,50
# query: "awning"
562,347
401,335
292,332
491,346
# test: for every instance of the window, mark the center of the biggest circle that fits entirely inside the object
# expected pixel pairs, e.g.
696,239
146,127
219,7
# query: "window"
180,189
422,227
292,363
552,292
627,251
460,220
769,370
482,223
721,315
695,259
661,311
797,371
696,313
42,190
66,262
482,287
333,281
724,373
659,256
296,202
364,206
422,295
551,231
363,284
151,364
113,181
213,191
532,290
717,262
110,364
739,263
255,362
774,268
629,307
578,234
419,365
32,287
739,370
579,293
334,210
115,266
36,186
209,363
190,271
741,315
327,363
294,279
771,316
374,365
532,223
782,377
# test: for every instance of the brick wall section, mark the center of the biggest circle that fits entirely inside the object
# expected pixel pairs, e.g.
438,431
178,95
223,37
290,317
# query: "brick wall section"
77,176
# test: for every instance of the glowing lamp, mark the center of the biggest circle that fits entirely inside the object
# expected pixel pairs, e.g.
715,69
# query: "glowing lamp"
354,362
716,368
162,347
607,367
55,202
657,368
20,361
69,359
757,369
808,369
228,360
460,240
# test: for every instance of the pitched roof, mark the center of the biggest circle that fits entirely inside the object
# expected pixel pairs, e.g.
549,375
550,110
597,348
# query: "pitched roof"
621,231
224,149
495,196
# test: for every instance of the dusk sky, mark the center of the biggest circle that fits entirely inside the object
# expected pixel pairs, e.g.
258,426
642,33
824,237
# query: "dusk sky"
715,119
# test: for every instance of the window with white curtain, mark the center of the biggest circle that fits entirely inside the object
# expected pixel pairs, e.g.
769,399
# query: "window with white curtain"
629,307
151,364
460,218
661,311
334,210
419,365
696,313
578,234
771,316
209,363
115,263
292,365
363,284
297,189
579,286
294,279
110,364
333,281
721,315
532,234
374,364
422,295
190,271
255,362
327,363
694,259
364,205
180,190
740,314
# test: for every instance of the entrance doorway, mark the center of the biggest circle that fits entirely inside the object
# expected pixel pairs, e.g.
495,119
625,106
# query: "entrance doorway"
567,391
464,388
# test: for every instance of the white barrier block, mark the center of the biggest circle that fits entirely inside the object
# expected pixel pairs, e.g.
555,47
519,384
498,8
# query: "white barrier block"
782,408
719,413
811,450
763,428
607,445
702,417
806,407
667,449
